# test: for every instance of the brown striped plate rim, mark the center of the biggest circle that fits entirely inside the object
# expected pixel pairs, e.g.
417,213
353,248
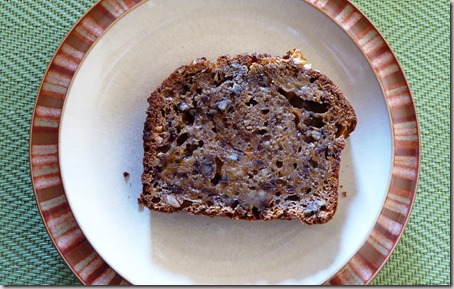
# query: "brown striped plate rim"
61,225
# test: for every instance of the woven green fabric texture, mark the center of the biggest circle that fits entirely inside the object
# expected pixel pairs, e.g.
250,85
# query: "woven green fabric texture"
30,32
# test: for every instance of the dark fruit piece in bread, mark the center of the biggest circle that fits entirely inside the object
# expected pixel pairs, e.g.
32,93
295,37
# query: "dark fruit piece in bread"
250,137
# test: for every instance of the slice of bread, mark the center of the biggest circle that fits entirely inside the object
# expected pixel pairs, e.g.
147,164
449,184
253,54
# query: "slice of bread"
250,137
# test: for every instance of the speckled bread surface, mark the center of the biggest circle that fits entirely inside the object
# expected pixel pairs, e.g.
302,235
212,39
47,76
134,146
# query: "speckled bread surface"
251,137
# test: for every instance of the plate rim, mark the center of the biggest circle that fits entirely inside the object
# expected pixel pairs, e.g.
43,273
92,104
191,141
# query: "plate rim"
50,197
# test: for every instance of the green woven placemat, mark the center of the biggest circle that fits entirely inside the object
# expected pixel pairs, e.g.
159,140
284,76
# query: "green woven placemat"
418,31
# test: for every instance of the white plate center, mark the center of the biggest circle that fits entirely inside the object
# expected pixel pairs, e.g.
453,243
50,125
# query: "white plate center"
101,138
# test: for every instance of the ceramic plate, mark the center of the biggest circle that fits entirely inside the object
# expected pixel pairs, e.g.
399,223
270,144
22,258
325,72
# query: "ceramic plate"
86,146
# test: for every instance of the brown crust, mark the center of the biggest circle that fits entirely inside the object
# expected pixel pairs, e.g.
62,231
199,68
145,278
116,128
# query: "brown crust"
326,101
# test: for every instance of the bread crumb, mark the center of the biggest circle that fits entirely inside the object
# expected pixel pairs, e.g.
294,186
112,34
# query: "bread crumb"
126,176
344,194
